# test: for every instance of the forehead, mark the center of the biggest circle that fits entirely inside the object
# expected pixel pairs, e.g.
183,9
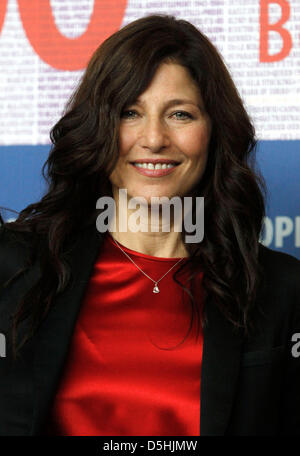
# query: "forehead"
170,80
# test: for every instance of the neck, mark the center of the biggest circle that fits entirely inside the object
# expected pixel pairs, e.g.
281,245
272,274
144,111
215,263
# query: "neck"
164,245
157,236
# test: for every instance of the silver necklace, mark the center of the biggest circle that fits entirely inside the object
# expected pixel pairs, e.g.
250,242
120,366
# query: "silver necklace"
155,288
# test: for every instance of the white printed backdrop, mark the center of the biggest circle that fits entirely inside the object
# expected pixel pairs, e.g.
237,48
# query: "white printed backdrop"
259,40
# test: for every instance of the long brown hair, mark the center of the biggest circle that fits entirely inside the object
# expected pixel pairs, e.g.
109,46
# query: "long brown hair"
85,150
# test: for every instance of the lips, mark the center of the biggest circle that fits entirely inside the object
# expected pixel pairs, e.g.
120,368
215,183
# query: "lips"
154,167
156,160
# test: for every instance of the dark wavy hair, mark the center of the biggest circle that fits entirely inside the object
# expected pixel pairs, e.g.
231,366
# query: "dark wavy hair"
85,150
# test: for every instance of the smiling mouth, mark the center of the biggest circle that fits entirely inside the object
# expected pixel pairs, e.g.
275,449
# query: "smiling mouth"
155,169
156,166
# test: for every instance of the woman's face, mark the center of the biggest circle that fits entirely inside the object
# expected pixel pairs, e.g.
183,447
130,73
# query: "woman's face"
164,138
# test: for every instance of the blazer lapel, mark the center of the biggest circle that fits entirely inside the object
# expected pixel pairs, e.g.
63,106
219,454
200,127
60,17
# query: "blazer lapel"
55,334
222,349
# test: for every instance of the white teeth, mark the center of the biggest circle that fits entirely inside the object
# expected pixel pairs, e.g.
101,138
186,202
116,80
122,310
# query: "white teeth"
156,166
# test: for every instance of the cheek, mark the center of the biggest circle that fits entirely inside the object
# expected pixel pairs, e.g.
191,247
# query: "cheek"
195,144
127,139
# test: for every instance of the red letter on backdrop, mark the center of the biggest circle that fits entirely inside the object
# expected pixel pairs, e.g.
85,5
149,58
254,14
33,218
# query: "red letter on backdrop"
265,27
3,5
66,53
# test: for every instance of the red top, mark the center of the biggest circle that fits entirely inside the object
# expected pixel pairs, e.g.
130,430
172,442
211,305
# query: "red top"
126,372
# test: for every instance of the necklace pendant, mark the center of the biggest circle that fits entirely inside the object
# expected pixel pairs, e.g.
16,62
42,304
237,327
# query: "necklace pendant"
155,289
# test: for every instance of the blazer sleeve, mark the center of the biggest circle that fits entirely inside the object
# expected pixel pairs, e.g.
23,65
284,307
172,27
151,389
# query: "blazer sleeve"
283,272
291,387
14,253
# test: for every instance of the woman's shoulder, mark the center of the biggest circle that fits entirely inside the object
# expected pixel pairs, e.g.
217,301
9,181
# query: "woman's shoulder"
15,248
12,240
277,262
282,272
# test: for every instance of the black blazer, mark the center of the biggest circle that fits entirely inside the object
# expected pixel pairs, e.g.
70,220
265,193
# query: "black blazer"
249,386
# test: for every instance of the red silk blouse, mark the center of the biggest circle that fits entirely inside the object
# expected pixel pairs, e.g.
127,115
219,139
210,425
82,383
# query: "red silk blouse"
129,370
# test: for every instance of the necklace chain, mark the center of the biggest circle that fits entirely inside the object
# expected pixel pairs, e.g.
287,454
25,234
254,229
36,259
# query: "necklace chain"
155,289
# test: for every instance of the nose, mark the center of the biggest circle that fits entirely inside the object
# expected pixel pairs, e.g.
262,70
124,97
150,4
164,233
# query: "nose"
154,135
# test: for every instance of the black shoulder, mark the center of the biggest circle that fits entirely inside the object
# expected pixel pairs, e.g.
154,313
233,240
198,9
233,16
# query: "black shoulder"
275,259
15,249
280,267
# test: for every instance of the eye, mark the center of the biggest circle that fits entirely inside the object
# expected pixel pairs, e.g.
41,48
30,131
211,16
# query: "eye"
182,115
129,114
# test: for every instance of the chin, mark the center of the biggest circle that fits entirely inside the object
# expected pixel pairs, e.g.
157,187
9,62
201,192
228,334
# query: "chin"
148,197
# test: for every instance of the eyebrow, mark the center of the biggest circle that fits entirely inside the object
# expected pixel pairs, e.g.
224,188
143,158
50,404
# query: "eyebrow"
175,102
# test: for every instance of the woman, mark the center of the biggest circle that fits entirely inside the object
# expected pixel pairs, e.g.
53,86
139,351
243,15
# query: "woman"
142,332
